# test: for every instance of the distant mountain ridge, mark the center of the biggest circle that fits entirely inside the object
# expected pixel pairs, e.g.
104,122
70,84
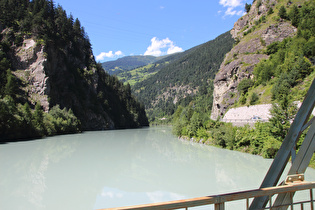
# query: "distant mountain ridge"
128,63
142,73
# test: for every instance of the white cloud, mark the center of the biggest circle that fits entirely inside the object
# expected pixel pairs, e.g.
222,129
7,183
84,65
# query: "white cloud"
112,195
174,49
157,46
119,53
231,3
159,196
232,12
109,54
231,7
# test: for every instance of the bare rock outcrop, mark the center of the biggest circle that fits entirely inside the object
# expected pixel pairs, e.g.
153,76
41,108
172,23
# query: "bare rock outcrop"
253,33
29,62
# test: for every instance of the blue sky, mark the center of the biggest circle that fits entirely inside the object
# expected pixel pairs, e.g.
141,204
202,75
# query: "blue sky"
118,28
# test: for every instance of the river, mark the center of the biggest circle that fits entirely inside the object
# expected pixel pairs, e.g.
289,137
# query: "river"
104,169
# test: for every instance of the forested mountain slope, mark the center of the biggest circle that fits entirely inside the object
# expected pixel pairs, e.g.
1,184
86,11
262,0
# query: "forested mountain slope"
50,82
186,78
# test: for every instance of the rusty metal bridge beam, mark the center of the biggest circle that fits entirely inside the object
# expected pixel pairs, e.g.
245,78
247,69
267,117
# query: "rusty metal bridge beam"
278,165
300,164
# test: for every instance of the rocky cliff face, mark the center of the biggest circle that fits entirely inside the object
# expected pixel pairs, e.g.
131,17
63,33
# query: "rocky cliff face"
53,75
47,79
253,33
29,62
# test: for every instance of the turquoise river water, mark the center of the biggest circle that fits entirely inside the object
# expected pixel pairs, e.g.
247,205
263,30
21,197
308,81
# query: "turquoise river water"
104,169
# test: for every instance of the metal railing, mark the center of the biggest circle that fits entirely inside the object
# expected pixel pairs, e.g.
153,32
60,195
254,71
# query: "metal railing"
219,200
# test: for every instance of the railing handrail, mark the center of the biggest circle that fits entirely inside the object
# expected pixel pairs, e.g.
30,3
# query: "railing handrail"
222,198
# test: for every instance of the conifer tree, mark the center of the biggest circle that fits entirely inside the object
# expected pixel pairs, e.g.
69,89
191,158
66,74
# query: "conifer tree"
283,13
38,119
281,116
11,85
294,16
247,7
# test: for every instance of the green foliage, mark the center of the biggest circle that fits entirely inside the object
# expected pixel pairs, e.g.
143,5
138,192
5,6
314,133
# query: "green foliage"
202,133
270,147
291,74
224,136
189,122
282,114
243,98
253,98
294,16
21,122
259,140
249,31
8,116
247,7
272,48
283,12
37,119
262,19
196,121
11,86
61,121
244,85
264,71
290,60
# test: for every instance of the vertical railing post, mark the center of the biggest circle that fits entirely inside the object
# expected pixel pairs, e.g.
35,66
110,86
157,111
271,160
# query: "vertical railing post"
219,206
311,197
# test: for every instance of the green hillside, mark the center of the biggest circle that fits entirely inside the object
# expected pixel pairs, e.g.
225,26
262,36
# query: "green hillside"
127,63
142,73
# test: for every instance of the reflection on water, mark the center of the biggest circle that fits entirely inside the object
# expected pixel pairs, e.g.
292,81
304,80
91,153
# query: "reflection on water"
115,197
117,168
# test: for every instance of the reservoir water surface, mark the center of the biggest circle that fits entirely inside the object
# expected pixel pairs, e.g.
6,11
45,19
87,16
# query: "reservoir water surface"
104,169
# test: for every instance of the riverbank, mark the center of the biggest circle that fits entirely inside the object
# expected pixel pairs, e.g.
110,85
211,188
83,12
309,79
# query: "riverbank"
211,143
245,149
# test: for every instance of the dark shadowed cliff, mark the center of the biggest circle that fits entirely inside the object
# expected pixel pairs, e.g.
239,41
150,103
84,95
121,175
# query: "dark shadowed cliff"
46,61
